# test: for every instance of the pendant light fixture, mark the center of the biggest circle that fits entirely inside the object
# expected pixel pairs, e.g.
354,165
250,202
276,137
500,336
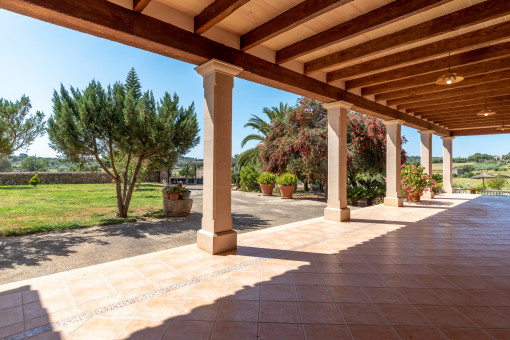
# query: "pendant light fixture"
502,127
449,77
486,112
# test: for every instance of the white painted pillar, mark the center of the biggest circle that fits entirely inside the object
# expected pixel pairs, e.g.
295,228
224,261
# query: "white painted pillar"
447,164
426,156
336,209
393,148
216,235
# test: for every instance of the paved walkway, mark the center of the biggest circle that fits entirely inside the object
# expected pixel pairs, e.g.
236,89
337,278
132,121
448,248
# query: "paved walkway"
435,270
42,254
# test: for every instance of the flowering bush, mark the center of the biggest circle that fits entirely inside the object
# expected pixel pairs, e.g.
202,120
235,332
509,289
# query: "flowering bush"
414,181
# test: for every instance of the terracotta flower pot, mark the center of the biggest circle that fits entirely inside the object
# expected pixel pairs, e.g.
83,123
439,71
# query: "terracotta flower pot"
267,189
174,197
412,197
286,191
166,195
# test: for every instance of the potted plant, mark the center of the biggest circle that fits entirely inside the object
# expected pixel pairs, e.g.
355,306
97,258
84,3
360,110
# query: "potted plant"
166,194
267,182
174,191
414,182
286,183
185,193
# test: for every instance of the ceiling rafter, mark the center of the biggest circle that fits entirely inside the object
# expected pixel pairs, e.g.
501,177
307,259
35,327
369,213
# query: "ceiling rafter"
470,63
460,105
472,15
139,5
460,113
379,17
479,37
214,13
478,132
289,19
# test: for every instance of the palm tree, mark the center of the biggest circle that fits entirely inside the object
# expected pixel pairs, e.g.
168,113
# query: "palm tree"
251,156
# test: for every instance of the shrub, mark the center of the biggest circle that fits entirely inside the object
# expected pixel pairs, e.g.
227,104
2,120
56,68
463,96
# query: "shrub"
414,181
354,194
267,178
287,179
249,177
496,183
34,180
437,177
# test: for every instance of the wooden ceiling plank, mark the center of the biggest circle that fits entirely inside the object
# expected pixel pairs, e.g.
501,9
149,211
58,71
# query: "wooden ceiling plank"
379,17
107,20
214,13
483,36
447,94
466,111
455,100
475,14
139,5
295,16
459,105
475,62
478,132
433,88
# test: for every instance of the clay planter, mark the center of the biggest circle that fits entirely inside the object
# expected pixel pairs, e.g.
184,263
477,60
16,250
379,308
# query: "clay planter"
267,189
286,191
174,197
166,195
177,208
413,198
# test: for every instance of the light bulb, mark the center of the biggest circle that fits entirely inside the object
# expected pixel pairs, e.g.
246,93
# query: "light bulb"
486,114
449,81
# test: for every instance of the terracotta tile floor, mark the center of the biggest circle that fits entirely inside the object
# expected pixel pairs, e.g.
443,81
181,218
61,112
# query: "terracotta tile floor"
435,270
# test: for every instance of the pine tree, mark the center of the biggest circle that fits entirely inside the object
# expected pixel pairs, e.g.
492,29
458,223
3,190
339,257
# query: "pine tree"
133,84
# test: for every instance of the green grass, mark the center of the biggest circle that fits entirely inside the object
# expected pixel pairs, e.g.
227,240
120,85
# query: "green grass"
25,209
463,182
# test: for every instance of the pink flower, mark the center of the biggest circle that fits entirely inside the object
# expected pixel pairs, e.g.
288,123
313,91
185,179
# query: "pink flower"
415,171
407,186
421,193
412,166
426,189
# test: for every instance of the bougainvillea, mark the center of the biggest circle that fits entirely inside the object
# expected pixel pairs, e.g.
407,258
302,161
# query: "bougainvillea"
299,143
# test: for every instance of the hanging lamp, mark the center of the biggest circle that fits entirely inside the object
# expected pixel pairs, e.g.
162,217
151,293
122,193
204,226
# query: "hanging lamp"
502,127
486,112
449,77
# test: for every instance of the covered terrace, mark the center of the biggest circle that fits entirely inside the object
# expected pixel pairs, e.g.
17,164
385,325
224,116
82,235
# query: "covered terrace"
432,270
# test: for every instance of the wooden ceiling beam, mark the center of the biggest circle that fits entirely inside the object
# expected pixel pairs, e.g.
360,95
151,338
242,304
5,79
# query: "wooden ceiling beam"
478,106
385,15
478,132
295,16
479,37
434,88
502,114
472,15
459,105
448,95
477,124
139,5
408,73
461,113
214,13
430,78
107,20
455,100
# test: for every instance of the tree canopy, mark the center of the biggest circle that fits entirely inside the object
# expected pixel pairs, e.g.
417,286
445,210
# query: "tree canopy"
18,129
112,123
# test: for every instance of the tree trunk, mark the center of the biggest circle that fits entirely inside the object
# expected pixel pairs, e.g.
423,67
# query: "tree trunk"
307,188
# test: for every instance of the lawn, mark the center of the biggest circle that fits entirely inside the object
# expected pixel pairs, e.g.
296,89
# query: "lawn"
25,209
460,182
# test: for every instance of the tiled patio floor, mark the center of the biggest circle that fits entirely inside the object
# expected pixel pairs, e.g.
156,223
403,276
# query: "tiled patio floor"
437,270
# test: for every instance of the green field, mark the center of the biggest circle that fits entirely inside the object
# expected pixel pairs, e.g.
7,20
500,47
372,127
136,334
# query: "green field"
458,182
25,209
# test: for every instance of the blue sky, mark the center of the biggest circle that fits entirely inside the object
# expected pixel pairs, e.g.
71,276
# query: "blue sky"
36,57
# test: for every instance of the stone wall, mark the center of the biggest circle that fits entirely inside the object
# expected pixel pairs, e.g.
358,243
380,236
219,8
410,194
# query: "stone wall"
22,178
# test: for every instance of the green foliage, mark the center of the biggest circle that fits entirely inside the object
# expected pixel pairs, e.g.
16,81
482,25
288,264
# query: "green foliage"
437,177
354,194
287,179
133,84
267,178
5,165
133,134
414,181
174,189
478,157
35,164
248,178
34,181
18,129
373,185
496,183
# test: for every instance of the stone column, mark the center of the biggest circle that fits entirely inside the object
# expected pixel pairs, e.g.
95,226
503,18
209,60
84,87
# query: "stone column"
393,148
336,209
447,164
216,235
426,156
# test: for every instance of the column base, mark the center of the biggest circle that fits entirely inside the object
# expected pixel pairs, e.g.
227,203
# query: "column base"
447,190
428,194
393,202
337,215
218,242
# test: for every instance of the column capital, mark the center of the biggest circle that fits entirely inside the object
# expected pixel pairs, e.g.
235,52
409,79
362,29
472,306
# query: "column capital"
448,138
215,65
425,132
337,104
393,122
